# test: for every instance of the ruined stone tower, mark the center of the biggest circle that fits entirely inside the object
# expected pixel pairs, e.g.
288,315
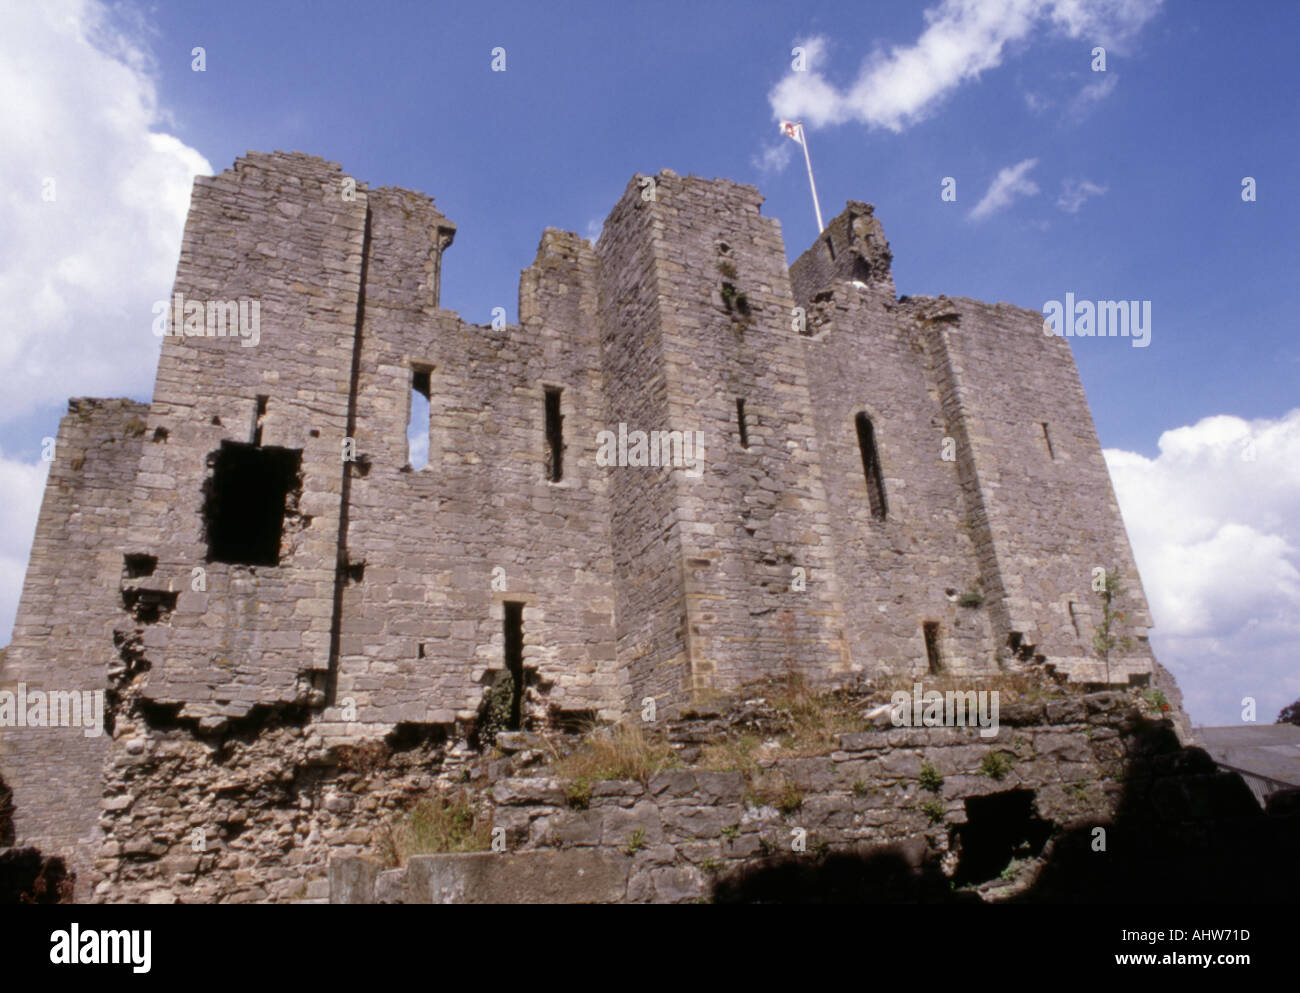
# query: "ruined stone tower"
880,484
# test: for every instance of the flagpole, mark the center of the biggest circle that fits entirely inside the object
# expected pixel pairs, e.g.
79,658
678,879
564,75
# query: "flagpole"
803,140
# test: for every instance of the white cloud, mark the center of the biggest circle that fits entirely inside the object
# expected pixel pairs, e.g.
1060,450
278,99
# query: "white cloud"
1075,191
773,158
78,275
961,40
22,485
1007,185
1036,103
1216,534
1094,93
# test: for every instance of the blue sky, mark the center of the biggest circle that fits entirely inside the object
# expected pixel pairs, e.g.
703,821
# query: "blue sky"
1118,184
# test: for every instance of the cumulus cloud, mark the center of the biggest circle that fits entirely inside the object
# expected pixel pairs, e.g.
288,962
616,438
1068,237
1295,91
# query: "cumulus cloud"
1009,184
1094,93
1075,191
95,199
773,158
1214,521
22,484
961,40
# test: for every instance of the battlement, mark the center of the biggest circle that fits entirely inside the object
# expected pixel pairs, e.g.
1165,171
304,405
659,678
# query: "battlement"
686,467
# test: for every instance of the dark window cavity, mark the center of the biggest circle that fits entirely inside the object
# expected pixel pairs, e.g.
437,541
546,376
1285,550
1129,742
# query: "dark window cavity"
871,467
245,500
554,436
740,420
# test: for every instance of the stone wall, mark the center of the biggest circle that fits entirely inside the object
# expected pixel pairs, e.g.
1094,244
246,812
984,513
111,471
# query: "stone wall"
869,822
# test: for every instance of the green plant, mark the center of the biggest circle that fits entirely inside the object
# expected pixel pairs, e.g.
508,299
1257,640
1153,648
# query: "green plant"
996,764
1078,790
710,865
1156,699
636,842
930,778
134,426
790,800
494,711
971,598
731,832
727,269
623,751
438,824
578,795
860,787
1104,639
934,809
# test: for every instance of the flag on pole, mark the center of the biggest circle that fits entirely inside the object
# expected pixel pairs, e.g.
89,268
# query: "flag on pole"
794,129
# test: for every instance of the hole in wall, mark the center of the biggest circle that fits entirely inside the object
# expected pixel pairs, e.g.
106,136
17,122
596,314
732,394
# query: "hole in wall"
998,828
138,565
246,496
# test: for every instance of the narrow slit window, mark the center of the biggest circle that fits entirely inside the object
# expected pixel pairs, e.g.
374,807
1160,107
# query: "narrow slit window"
1047,437
514,660
931,631
1074,620
417,427
257,419
871,467
554,436
740,420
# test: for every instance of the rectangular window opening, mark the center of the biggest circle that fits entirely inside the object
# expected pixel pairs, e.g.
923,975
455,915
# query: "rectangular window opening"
246,499
871,467
931,631
417,426
514,659
740,419
1048,438
554,436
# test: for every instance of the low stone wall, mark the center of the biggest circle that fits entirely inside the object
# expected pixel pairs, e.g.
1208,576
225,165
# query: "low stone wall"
280,811
865,811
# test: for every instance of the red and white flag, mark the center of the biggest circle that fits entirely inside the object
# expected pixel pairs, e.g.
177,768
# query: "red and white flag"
792,129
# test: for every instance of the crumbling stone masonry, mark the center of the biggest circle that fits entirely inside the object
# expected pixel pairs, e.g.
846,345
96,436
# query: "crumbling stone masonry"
886,485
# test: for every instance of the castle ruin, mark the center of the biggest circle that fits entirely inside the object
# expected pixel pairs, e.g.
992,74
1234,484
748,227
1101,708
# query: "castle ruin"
844,482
